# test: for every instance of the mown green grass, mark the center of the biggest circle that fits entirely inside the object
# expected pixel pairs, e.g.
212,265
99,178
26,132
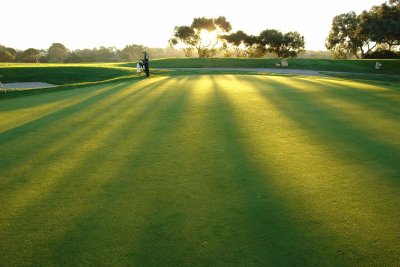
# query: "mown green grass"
61,74
363,66
384,78
205,170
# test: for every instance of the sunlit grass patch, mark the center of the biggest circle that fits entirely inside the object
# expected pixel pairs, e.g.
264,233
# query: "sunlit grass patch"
202,170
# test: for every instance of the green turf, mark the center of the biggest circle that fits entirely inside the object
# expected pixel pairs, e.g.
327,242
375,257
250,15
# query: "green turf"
363,66
61,73
224,170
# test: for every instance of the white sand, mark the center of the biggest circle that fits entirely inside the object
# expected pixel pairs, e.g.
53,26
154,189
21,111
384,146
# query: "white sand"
27,85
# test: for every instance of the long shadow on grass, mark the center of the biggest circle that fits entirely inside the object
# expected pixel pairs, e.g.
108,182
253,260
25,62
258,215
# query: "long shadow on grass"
81,191
121,199
60,142
142,217
330,129
84,117
37,124
71,149
145,210
264,231
372,98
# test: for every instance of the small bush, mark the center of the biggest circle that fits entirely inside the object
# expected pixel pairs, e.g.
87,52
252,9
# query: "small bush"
382,54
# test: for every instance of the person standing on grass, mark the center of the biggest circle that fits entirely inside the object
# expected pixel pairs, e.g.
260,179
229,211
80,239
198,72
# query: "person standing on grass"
146,63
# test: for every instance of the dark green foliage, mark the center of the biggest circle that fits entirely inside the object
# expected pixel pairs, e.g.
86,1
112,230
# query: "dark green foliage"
236,39
358,35
223,24
57,53
203,23
283,45
106,54
254,49
382,24
192,36
383,54
30,55
344,39
6,56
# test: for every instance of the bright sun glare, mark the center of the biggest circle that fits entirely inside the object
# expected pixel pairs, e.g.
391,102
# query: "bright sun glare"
208,37
41,23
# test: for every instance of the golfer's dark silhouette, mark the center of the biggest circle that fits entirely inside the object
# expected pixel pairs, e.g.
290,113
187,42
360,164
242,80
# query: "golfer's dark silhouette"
146,63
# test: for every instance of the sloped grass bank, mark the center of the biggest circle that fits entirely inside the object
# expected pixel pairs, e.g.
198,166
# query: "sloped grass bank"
362,66
60,74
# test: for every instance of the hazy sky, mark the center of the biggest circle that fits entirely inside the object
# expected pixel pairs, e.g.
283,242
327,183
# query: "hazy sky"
94,23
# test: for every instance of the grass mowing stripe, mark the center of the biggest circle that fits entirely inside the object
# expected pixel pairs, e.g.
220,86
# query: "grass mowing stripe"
204,170
371,188
86,118
67,183
378,118
264,228
69,110
135,148
364,96
62,135
325,121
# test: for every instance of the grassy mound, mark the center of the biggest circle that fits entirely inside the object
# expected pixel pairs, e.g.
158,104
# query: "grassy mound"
60,74
362,66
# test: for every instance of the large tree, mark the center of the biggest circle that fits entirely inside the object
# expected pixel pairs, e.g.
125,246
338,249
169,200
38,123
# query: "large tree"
57,53
106,54
253,47
204,35
30,55
132,52
346,38
185,35
6,56
382,24
377,28
236,39
283,45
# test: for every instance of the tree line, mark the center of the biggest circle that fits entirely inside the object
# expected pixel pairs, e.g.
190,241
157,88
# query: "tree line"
207,37
58,53
372,34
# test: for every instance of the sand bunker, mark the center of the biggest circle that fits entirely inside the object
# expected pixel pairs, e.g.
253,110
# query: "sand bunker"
27,85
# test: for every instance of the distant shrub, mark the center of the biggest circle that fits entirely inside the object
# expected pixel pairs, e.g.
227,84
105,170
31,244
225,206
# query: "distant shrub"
382,54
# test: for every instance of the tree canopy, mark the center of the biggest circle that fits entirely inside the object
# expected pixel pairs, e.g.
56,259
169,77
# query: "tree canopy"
198,35
358,35
236,39
283,45
193,38
57,53
6,56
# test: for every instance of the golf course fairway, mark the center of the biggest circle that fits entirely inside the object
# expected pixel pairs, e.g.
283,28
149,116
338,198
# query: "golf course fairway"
208,170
